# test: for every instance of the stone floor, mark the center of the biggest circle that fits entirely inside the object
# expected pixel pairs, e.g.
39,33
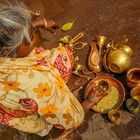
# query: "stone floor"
116,19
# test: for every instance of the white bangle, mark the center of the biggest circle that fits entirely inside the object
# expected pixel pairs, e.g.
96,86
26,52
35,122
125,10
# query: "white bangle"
45,23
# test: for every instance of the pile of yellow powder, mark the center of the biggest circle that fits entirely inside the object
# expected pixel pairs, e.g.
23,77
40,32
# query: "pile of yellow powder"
109,102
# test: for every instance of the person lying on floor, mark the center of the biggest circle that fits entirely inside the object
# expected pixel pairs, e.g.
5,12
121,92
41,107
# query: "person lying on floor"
33,92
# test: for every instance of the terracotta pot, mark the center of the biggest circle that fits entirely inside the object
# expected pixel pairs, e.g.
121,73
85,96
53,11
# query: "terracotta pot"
133,77
113,82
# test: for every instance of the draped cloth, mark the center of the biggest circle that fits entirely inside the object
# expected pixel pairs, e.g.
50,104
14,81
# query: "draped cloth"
33,92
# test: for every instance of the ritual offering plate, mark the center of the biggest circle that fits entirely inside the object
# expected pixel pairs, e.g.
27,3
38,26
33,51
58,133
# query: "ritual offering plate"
114,98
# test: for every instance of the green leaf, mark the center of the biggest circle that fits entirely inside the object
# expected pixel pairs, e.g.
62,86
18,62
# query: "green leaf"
67,26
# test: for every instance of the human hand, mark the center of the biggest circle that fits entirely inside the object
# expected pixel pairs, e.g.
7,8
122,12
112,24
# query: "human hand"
51,24
48,24
95,95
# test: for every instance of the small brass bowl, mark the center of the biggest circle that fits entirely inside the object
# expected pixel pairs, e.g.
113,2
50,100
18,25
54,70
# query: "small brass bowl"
114,116
104,85
118,61
135,93
132,105
101,40
113,83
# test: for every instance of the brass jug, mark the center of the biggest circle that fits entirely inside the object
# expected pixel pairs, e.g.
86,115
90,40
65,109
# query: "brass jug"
118,60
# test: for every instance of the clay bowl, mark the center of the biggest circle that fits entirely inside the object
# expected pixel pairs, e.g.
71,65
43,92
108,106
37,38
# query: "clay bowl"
113,82
133,77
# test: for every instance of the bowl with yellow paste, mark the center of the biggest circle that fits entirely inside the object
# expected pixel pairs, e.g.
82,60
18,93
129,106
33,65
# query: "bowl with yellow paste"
114,98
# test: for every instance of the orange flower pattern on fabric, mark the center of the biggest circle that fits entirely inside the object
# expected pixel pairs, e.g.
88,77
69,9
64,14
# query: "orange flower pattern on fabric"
61,48
23,69
60,84
43,89
36,67
68,117
10,85
52,68
76,124
49,111
55,104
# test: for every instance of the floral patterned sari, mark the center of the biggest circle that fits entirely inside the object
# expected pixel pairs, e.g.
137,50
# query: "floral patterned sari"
33,93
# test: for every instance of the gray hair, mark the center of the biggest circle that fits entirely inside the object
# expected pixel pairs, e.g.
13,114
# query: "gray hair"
15,22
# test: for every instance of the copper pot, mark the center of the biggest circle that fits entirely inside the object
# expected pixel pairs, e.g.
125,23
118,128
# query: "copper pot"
133,77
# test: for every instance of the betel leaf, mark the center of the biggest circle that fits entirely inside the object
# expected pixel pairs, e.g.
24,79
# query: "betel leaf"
67,26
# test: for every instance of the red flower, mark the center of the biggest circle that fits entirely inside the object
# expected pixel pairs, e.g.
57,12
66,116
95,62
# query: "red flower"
42,62
29,103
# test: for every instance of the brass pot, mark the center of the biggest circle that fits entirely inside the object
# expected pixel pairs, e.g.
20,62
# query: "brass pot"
132,105
135,93
118,61
114,116
127,49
